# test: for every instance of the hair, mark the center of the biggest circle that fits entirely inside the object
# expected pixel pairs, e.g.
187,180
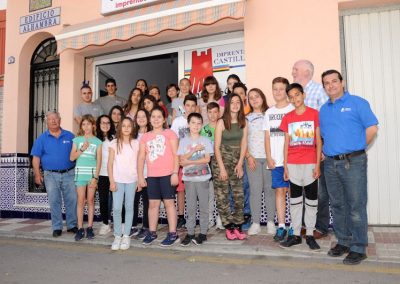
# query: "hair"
89,118
136,127
110,80
294,86
145,83
208,81
118,108
282,80
127,107
212,105
86,86
190,97
183,79
309,66
155,87
264,105
119,136
227,116
147,97
239,85
329,72
158,108
196,115
100,134
53,112
231,76
169,87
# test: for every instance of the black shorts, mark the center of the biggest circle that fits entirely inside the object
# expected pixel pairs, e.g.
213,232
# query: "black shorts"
160,188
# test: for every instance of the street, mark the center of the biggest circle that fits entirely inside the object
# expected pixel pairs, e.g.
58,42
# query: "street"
34,261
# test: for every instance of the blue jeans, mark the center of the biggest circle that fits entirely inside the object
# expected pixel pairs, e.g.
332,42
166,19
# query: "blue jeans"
323,215
246,191
58,187
347,189
127,190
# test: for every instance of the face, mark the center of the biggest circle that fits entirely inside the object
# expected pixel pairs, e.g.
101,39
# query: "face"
148,105
213,114
255,100
116,115
279,92
190,107
135,98
235,105
53,122
154,92
105,124
141,85
184,85
230,83
87,127
86,95
333,86
172,93
242,93
211,88
300,73
195,125
296,97
126,127
157,119
141,119
111,88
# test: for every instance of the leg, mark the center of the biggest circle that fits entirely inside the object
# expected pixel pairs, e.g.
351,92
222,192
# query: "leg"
104,189
145,201
255,179
130,190
70,198
191,203
54,195
202,194
237,191
246,191
211,202
296,207
154,210
118,199
90,203
221,196
310,216
81,190
322,224
269,193
181,202
138,195
171,214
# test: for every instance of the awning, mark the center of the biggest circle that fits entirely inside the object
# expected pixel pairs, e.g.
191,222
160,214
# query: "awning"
169,15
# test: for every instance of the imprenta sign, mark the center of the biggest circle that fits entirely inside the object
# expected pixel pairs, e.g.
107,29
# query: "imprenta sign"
110,6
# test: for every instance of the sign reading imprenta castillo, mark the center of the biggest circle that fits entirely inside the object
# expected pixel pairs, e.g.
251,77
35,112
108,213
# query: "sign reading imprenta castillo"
40,20
110,6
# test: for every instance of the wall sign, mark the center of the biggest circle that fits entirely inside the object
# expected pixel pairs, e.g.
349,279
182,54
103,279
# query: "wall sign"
110,6
35,5
40,20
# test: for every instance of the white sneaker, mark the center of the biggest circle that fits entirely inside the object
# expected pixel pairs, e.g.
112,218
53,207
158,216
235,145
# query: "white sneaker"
271,229
125,243
219,224
254,229
104,229
116,243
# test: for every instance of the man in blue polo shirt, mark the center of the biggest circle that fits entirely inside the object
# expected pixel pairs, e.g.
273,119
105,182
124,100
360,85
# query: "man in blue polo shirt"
52,150
348,125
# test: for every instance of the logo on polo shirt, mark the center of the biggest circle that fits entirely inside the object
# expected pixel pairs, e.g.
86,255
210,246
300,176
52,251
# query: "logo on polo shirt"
66,141
344,109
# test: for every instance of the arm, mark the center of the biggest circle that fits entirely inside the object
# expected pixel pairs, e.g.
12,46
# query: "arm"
75,153
270,161
185,162
217,150
174,148
243,150
110,166
173,115
36,170
285,155
317,170
95,179
141,160
371,133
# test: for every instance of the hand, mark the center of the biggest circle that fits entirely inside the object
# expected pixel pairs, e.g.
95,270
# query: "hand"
184,162
113,186
322,157
286,174
38,180
139,189
174,179
239,170
271,164
316,172
199,147
251,162
93,184
142,182
223,175
84,146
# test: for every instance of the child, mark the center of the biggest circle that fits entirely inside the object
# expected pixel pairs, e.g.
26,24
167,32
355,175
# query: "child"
87,106
116,114
194,155
230,81
210,93
208,131
142,85
181,129
302,156
258,175
158,148
230,148
132,105
172,93
156,93
177,104
86,150
122,171
274,144
105,133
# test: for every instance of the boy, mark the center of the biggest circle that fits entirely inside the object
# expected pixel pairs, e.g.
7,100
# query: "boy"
107,102
194,155
274,145
87,106
302,156
208,131
181,129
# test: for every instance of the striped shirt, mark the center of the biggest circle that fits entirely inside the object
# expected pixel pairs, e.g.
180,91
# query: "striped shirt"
315,95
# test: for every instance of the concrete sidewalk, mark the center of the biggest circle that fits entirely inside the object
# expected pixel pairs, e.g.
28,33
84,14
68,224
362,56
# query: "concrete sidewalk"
384,242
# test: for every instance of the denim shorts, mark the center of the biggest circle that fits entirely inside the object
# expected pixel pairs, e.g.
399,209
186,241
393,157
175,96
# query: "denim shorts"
160,188
277,178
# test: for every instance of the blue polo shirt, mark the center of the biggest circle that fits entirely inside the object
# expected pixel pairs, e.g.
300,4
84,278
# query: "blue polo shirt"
343,124
54,152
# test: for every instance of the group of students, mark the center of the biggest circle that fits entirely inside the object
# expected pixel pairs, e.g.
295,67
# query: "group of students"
225,148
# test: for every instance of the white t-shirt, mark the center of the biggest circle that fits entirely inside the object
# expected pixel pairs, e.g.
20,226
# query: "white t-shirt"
272,122
180,127
256,135
104,158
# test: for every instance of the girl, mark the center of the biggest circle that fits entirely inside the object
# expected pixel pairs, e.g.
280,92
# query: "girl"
122,170
172,94
142,85
86,150
132,106
116,114
258,175
148,103
156,93
106,134
241,89
177,104
159,149
230,81
142,126
229,150
211,93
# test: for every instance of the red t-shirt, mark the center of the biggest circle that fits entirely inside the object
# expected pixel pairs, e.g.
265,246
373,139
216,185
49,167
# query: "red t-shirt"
301,129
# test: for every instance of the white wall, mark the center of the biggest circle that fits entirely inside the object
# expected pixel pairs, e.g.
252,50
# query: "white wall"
3,4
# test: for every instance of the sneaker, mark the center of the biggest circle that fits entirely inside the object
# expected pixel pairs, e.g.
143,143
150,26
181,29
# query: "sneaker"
116,243
171,239
230,234
142,233
240,234
354,258
57,233
271,229
134,231
181,224
312,244
125,243
80,234
201,238
150,237
219,224
338,250
187,240
89,233
280,234
247,222
291,241
104,229
73,230
254,229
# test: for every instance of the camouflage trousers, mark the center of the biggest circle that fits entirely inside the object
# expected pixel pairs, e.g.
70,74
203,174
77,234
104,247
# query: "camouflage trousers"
230,157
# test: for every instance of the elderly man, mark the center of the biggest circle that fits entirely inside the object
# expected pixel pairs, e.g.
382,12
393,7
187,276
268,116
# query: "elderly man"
348,125
52,150
302,72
